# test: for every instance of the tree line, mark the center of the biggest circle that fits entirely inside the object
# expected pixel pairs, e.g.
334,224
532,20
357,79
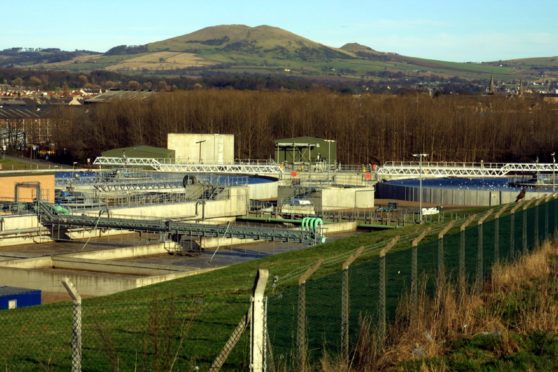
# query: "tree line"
368,128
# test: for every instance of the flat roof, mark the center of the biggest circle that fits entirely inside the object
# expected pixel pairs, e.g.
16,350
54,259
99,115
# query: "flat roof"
141,151
10,291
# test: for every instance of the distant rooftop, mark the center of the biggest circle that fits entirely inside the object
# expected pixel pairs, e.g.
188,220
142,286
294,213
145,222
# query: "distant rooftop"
112,95
23,112
141,151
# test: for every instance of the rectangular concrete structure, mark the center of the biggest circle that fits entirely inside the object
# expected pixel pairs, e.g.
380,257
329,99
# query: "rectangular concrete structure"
8,182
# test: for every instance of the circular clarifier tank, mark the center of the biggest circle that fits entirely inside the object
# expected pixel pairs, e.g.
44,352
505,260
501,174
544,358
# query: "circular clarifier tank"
459,191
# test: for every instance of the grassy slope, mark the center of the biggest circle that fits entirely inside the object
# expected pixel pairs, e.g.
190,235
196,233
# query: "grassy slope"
517,322
210,305
9,163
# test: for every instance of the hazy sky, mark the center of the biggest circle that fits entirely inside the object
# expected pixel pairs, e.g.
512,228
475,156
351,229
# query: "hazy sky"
466,30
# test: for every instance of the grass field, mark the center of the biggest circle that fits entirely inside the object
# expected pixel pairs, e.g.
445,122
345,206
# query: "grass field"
9,163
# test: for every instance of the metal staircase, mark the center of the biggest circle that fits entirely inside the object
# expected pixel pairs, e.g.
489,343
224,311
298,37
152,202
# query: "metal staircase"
50,218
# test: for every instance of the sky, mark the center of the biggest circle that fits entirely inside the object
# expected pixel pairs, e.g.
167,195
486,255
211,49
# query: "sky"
452,30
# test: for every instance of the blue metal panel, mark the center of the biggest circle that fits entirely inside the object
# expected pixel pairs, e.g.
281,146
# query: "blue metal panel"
23,297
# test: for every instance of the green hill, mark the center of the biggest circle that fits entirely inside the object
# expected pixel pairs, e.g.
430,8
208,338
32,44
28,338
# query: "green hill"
267,49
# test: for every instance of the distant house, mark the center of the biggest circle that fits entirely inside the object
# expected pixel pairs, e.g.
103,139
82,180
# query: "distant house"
75,101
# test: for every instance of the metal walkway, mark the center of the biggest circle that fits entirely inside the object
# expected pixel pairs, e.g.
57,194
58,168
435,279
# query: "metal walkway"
164,165
50,218
469,170
150,185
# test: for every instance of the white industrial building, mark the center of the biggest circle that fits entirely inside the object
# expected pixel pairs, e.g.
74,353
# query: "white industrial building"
202,148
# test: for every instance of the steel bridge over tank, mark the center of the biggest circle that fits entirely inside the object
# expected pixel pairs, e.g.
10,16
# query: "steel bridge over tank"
165,165
54,220
467,170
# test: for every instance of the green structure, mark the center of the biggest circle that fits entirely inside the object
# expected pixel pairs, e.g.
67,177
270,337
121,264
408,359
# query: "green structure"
305,150
141,151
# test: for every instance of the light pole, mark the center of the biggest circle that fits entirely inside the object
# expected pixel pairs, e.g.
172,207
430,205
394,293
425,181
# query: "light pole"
553,171
199,156
329,151
420,156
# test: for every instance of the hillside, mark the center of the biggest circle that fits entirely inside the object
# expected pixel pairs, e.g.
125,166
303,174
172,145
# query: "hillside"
267,49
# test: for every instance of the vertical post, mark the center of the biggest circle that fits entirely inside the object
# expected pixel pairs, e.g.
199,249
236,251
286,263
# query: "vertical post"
382,291
345,307
461,264
414,273
420,156
497,233
480,250
441,254
420,187
524,241
301,342
524,246
512,230
546,216
553,172
536,240
76,324
258,326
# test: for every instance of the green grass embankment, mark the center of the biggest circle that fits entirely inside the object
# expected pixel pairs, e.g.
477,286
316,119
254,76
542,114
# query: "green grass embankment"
186,321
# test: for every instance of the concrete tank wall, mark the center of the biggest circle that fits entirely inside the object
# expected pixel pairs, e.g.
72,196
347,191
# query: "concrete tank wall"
450,196
346,198
235,205
18,222
263,191
333,198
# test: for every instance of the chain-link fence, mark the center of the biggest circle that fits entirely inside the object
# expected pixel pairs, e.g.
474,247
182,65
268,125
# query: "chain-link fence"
465,255
144,332
182,327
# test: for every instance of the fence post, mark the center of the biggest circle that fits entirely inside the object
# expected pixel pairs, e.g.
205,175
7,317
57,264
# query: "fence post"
480,250
239,330
441,254
345,308
546,216
76,324
258,325
497,233
382,290
512,229
525,245
461,265
301,328
536,240
414,272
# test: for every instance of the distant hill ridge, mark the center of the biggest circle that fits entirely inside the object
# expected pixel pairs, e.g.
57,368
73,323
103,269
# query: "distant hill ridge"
267,49
241,38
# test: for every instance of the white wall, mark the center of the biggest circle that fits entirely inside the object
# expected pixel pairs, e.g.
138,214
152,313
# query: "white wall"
217,148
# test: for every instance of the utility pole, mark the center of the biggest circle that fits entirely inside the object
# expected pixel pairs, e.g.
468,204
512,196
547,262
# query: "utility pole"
199,156
420,156
329,151
553,172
